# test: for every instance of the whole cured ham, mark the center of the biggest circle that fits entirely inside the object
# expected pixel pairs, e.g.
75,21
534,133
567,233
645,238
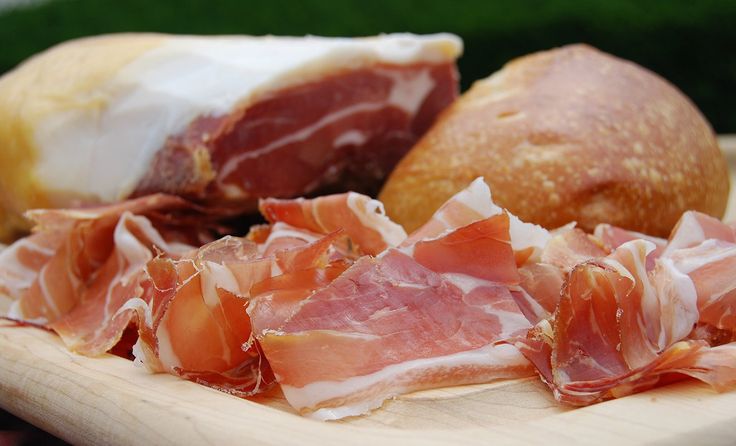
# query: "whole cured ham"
223,120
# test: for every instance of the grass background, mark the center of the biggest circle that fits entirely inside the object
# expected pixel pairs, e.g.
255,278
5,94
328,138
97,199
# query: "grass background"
690,42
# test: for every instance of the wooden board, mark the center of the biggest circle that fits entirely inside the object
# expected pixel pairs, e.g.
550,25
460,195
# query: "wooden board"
109,401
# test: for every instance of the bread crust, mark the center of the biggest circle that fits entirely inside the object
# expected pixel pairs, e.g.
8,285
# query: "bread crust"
570,134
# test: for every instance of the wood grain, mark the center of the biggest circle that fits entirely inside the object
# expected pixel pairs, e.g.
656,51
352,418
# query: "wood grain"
107,400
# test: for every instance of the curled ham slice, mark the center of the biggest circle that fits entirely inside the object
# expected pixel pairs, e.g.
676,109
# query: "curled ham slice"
362,218
192,317
542,277
47,274
626,323
475,203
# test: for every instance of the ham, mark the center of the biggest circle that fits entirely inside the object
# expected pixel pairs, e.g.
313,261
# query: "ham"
222,120
362,218
91,274
629,320
192,318
47,274
336,304
429,313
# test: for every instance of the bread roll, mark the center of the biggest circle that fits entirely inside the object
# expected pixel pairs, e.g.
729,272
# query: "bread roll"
570,134
222,120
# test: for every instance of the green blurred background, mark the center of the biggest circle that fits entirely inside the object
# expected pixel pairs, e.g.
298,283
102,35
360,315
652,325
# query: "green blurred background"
692,43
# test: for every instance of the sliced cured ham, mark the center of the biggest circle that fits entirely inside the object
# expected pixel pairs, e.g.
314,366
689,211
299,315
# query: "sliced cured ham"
542,278
472,204
89,274
224,120
47,274
428,314
711,265
362,218
625,322
193,321
99,317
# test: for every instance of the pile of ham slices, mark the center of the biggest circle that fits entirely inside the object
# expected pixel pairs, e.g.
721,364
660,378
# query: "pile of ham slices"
338,306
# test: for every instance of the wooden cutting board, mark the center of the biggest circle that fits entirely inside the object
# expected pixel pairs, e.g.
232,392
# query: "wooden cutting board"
109,401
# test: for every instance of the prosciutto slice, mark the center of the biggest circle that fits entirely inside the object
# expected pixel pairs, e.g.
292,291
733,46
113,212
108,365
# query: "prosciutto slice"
362,218
627,321
192,315
430,313
47,274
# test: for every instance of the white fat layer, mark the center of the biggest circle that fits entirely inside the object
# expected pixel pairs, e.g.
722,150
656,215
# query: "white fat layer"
217,276
16,277
140,305
710,251
689,233
166,354
139,357
678,294
465,282
281,230
130,248
499,357
372,215
102,145
409,91
48,297
523,235
350,138
15,313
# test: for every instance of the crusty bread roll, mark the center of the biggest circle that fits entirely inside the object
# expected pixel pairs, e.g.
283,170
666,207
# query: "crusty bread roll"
223,120
570,134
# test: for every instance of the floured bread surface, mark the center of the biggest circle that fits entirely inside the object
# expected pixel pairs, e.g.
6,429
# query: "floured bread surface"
82,122
570,134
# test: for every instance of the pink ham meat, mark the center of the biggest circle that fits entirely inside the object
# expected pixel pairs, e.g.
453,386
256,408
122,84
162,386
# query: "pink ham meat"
346,130
625,323
89,274
47,274
542,278
192,314
428,314
362,218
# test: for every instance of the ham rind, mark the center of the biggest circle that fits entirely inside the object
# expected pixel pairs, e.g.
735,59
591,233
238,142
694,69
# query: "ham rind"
395,325
362,218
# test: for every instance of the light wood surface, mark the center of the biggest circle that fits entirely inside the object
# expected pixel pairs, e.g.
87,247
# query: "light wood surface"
109,401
